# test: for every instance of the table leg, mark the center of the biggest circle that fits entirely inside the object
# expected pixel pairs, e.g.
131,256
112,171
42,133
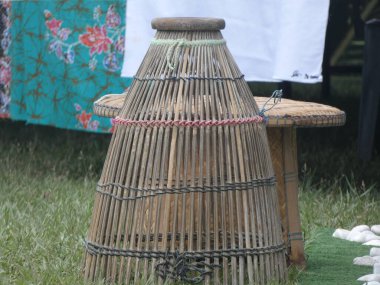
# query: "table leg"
275,138
283,146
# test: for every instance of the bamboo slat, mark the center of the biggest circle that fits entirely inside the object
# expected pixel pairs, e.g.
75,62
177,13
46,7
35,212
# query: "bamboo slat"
187,192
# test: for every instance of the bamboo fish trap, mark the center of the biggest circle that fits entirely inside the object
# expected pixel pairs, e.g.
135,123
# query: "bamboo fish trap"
187,191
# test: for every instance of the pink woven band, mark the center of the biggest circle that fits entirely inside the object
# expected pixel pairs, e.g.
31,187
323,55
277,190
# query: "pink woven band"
182,123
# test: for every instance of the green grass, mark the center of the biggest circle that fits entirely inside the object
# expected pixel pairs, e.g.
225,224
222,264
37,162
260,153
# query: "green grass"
47,184
337,204
43,221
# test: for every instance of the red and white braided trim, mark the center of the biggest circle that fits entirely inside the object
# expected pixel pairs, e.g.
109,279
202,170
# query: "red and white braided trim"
184,123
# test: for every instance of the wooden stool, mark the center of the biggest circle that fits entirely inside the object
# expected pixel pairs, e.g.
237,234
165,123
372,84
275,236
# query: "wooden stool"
282,120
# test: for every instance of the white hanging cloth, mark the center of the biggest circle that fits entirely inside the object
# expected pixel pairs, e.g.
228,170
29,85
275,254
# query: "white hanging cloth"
271,40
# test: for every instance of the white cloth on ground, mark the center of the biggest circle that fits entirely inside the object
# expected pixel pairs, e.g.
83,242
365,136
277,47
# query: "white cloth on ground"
362,236
341,233
366,260
370,277
372,283
374,242
374,251
271,40
361,228
362,233
376,229
376,268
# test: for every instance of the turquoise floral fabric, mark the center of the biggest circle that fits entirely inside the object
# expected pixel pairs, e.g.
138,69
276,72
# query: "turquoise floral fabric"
65,55
5,60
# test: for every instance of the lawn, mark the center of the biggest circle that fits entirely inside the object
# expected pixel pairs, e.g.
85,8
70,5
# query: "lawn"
47,184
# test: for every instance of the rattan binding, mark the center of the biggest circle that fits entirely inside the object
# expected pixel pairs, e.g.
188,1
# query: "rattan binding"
285,113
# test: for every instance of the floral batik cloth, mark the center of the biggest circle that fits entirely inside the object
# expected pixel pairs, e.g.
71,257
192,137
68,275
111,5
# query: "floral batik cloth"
5,60
65,55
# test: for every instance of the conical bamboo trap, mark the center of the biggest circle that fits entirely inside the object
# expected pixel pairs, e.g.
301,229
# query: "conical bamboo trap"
187,191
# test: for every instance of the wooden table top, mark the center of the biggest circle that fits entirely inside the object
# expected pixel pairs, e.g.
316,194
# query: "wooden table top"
286,113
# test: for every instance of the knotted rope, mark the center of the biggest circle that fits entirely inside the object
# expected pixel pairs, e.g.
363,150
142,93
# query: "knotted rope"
276,96
179,267
186,123
175,46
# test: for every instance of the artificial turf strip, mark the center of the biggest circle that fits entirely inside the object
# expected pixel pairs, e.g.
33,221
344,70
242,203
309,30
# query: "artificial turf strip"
330,261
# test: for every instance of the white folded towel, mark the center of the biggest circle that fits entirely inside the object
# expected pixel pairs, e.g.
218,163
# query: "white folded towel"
376,268
376,229
341,233
375,251
362,236
374,242
372,283
370,235
356,236
366,260
361,228
370,277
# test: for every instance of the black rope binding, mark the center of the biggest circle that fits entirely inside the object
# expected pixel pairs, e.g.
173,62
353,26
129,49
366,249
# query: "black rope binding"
148,193
179,267
295,236
97,249
186,267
